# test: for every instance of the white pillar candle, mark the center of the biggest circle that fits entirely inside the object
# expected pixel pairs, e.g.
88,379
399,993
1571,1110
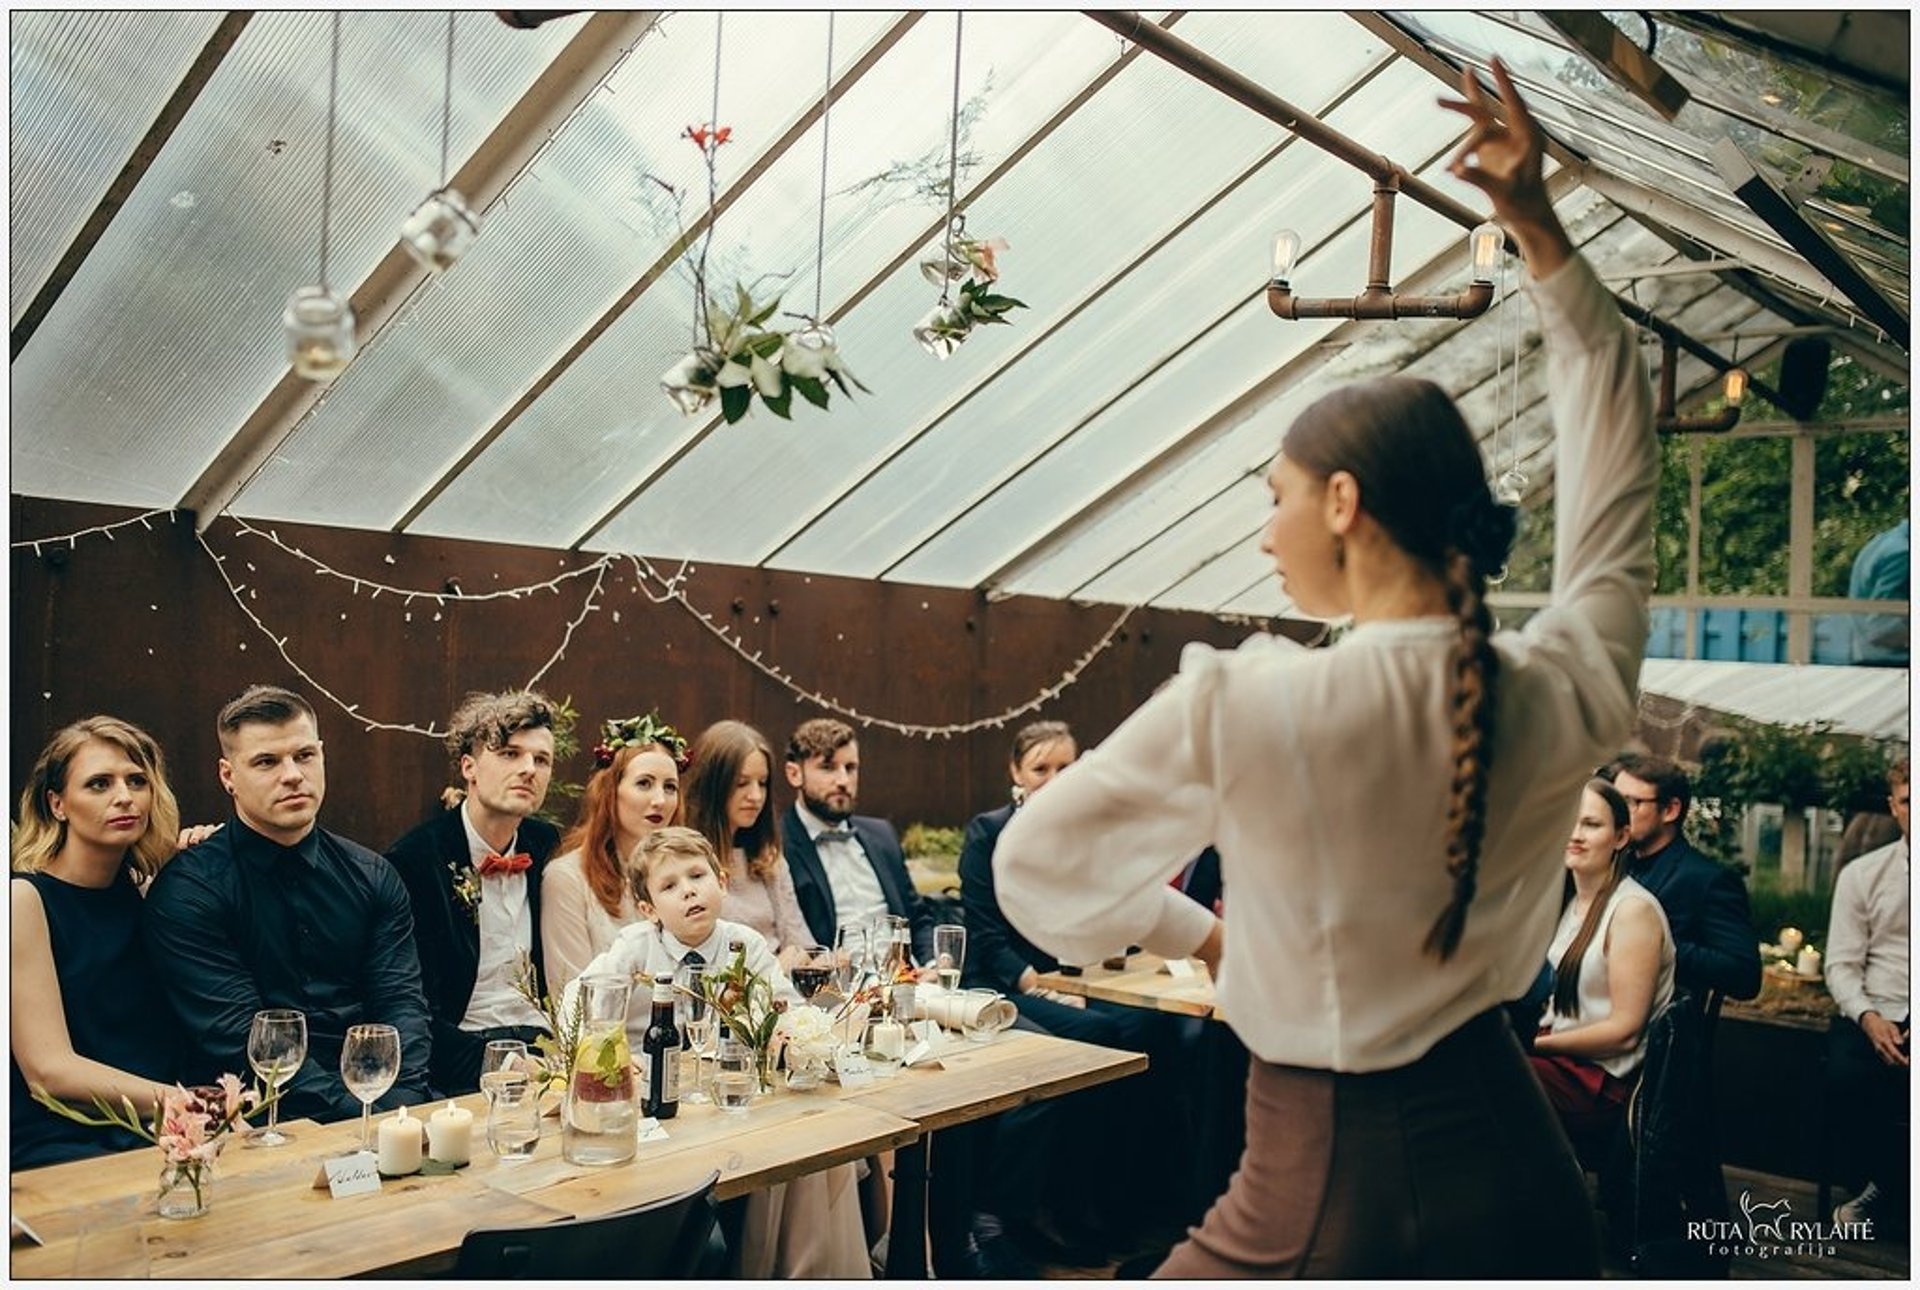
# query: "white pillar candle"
399,1144
450,1135
1808,964
890,1040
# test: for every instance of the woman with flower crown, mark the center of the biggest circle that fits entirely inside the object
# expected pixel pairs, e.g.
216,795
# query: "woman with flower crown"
97,819
585,898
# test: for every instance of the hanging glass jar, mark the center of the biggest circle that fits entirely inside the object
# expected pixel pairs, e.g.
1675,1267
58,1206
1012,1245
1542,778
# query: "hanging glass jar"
942,330
319,326
440,230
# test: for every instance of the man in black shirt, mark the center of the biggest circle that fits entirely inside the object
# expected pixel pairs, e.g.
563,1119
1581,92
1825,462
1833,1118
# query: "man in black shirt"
273,912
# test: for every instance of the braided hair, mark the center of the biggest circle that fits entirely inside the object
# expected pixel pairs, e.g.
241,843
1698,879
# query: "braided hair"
1421,479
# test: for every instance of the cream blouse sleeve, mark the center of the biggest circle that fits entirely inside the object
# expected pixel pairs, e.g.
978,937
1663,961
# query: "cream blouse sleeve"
566,940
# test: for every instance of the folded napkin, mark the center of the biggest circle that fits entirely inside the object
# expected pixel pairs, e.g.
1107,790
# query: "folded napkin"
956,1010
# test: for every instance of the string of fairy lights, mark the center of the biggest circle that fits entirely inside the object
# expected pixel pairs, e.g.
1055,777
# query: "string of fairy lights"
659,588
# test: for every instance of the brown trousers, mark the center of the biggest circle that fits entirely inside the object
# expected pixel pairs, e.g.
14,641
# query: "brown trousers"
1454,1166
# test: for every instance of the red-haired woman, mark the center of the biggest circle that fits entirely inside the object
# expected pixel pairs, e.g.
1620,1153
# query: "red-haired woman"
585,898
1388,811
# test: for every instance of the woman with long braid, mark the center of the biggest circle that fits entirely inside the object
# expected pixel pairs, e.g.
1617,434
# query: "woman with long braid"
1389,811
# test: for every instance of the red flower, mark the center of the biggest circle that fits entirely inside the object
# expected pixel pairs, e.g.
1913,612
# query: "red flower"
708,137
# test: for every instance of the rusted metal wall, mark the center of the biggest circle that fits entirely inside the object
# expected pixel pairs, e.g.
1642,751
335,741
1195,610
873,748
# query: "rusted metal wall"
142,626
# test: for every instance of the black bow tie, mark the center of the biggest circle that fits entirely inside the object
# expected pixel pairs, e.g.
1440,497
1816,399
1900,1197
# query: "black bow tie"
841,834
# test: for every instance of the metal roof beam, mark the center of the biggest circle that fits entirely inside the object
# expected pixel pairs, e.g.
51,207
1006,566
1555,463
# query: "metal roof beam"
144,154
595,51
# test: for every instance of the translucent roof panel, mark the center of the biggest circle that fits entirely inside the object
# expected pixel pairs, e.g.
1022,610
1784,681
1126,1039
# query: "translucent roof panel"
83,88
608,409
169,336
1150,296
1058,256
564,242
1760,108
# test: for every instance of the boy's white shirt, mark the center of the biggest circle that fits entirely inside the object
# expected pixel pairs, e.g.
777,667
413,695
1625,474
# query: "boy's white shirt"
650,949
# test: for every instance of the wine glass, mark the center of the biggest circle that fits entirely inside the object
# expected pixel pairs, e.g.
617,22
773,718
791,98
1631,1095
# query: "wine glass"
949,954
696,1021
369,1064
815,969
504,1062
850,957
276,1049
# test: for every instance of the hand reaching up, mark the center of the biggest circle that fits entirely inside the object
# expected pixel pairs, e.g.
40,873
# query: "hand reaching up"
1504,161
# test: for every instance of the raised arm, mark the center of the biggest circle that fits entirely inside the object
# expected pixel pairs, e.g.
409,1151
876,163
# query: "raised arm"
42,1048
1606,465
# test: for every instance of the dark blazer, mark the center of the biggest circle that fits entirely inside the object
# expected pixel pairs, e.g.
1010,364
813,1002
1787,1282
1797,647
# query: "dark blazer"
1715,946
882,845
448,935
996,953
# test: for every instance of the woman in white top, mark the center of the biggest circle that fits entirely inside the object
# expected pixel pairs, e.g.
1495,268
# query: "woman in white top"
585,898
1613,970
728,802
1386,811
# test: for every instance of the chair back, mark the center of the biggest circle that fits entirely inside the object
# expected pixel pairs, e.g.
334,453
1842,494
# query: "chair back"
667,1239
1676,1173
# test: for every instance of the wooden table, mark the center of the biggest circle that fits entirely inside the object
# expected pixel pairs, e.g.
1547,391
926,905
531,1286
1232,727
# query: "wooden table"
267,1220
1141,984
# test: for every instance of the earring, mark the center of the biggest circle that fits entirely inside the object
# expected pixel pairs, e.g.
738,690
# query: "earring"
1339,552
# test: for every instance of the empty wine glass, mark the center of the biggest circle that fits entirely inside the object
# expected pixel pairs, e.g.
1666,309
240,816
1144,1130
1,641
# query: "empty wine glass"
276,1048
696,1022
505,1061
949,953
369,1064
850,957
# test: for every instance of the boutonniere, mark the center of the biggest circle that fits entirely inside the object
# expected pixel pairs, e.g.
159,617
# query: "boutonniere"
466,889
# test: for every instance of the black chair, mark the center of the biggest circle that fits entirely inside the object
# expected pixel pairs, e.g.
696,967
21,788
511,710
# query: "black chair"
1675,1169
667,1239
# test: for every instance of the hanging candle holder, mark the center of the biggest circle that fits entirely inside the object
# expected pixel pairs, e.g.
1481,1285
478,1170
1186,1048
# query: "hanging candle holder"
691,382
440,229
949,265
318,322
1511,488
319,326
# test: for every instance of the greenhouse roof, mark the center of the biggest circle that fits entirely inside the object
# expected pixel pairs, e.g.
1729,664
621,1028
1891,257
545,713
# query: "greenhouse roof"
167,179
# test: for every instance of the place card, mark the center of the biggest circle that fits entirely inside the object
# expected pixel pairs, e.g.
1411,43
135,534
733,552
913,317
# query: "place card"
852,1068
651,1130
921,1055
1179,969
353,1174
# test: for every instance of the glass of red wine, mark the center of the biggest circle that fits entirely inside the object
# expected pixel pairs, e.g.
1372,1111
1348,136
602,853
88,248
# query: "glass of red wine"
813,972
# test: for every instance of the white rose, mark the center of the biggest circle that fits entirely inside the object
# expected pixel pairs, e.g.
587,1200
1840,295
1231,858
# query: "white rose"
766,377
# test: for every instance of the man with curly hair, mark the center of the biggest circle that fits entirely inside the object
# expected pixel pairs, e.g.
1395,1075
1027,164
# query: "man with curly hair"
473,875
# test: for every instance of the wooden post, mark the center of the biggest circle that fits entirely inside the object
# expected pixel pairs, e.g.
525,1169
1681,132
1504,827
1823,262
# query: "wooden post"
1793,848
1800,553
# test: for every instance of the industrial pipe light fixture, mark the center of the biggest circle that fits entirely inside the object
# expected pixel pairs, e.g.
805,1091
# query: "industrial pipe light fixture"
1666,421
1379,299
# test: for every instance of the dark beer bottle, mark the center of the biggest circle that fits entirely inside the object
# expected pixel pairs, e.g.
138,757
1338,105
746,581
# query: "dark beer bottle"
661,1044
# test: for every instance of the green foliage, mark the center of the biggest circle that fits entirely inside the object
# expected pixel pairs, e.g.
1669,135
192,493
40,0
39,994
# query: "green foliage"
1774,907
557,810
1794,766
931,842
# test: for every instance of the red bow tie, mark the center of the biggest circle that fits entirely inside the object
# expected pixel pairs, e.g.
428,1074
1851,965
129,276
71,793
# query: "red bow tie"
518,862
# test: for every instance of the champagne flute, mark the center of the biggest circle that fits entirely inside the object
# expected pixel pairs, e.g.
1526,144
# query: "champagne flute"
505,1061
949,954
696,1022
369,1064
276,1048
850,946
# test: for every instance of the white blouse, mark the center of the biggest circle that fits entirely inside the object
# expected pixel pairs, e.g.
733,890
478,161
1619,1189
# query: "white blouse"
1322,775
1596,982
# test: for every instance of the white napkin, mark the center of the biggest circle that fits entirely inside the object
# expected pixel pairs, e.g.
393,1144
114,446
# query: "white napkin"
956,1010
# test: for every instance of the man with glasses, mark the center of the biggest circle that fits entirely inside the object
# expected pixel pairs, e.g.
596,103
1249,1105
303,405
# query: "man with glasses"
1705,903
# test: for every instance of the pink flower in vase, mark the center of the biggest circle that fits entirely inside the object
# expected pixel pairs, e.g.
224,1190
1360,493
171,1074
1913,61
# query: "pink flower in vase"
983,254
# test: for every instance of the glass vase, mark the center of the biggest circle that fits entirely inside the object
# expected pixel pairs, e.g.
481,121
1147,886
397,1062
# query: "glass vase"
186,1189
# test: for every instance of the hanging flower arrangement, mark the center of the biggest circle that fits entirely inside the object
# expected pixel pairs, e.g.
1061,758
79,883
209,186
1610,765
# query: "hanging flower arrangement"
736,354
973,264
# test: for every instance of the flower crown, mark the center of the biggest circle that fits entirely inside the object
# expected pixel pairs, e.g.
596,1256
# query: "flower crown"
623,731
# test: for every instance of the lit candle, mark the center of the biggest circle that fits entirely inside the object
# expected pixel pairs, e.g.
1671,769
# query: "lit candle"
399,1144
1791,939
450,1135
1808,964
